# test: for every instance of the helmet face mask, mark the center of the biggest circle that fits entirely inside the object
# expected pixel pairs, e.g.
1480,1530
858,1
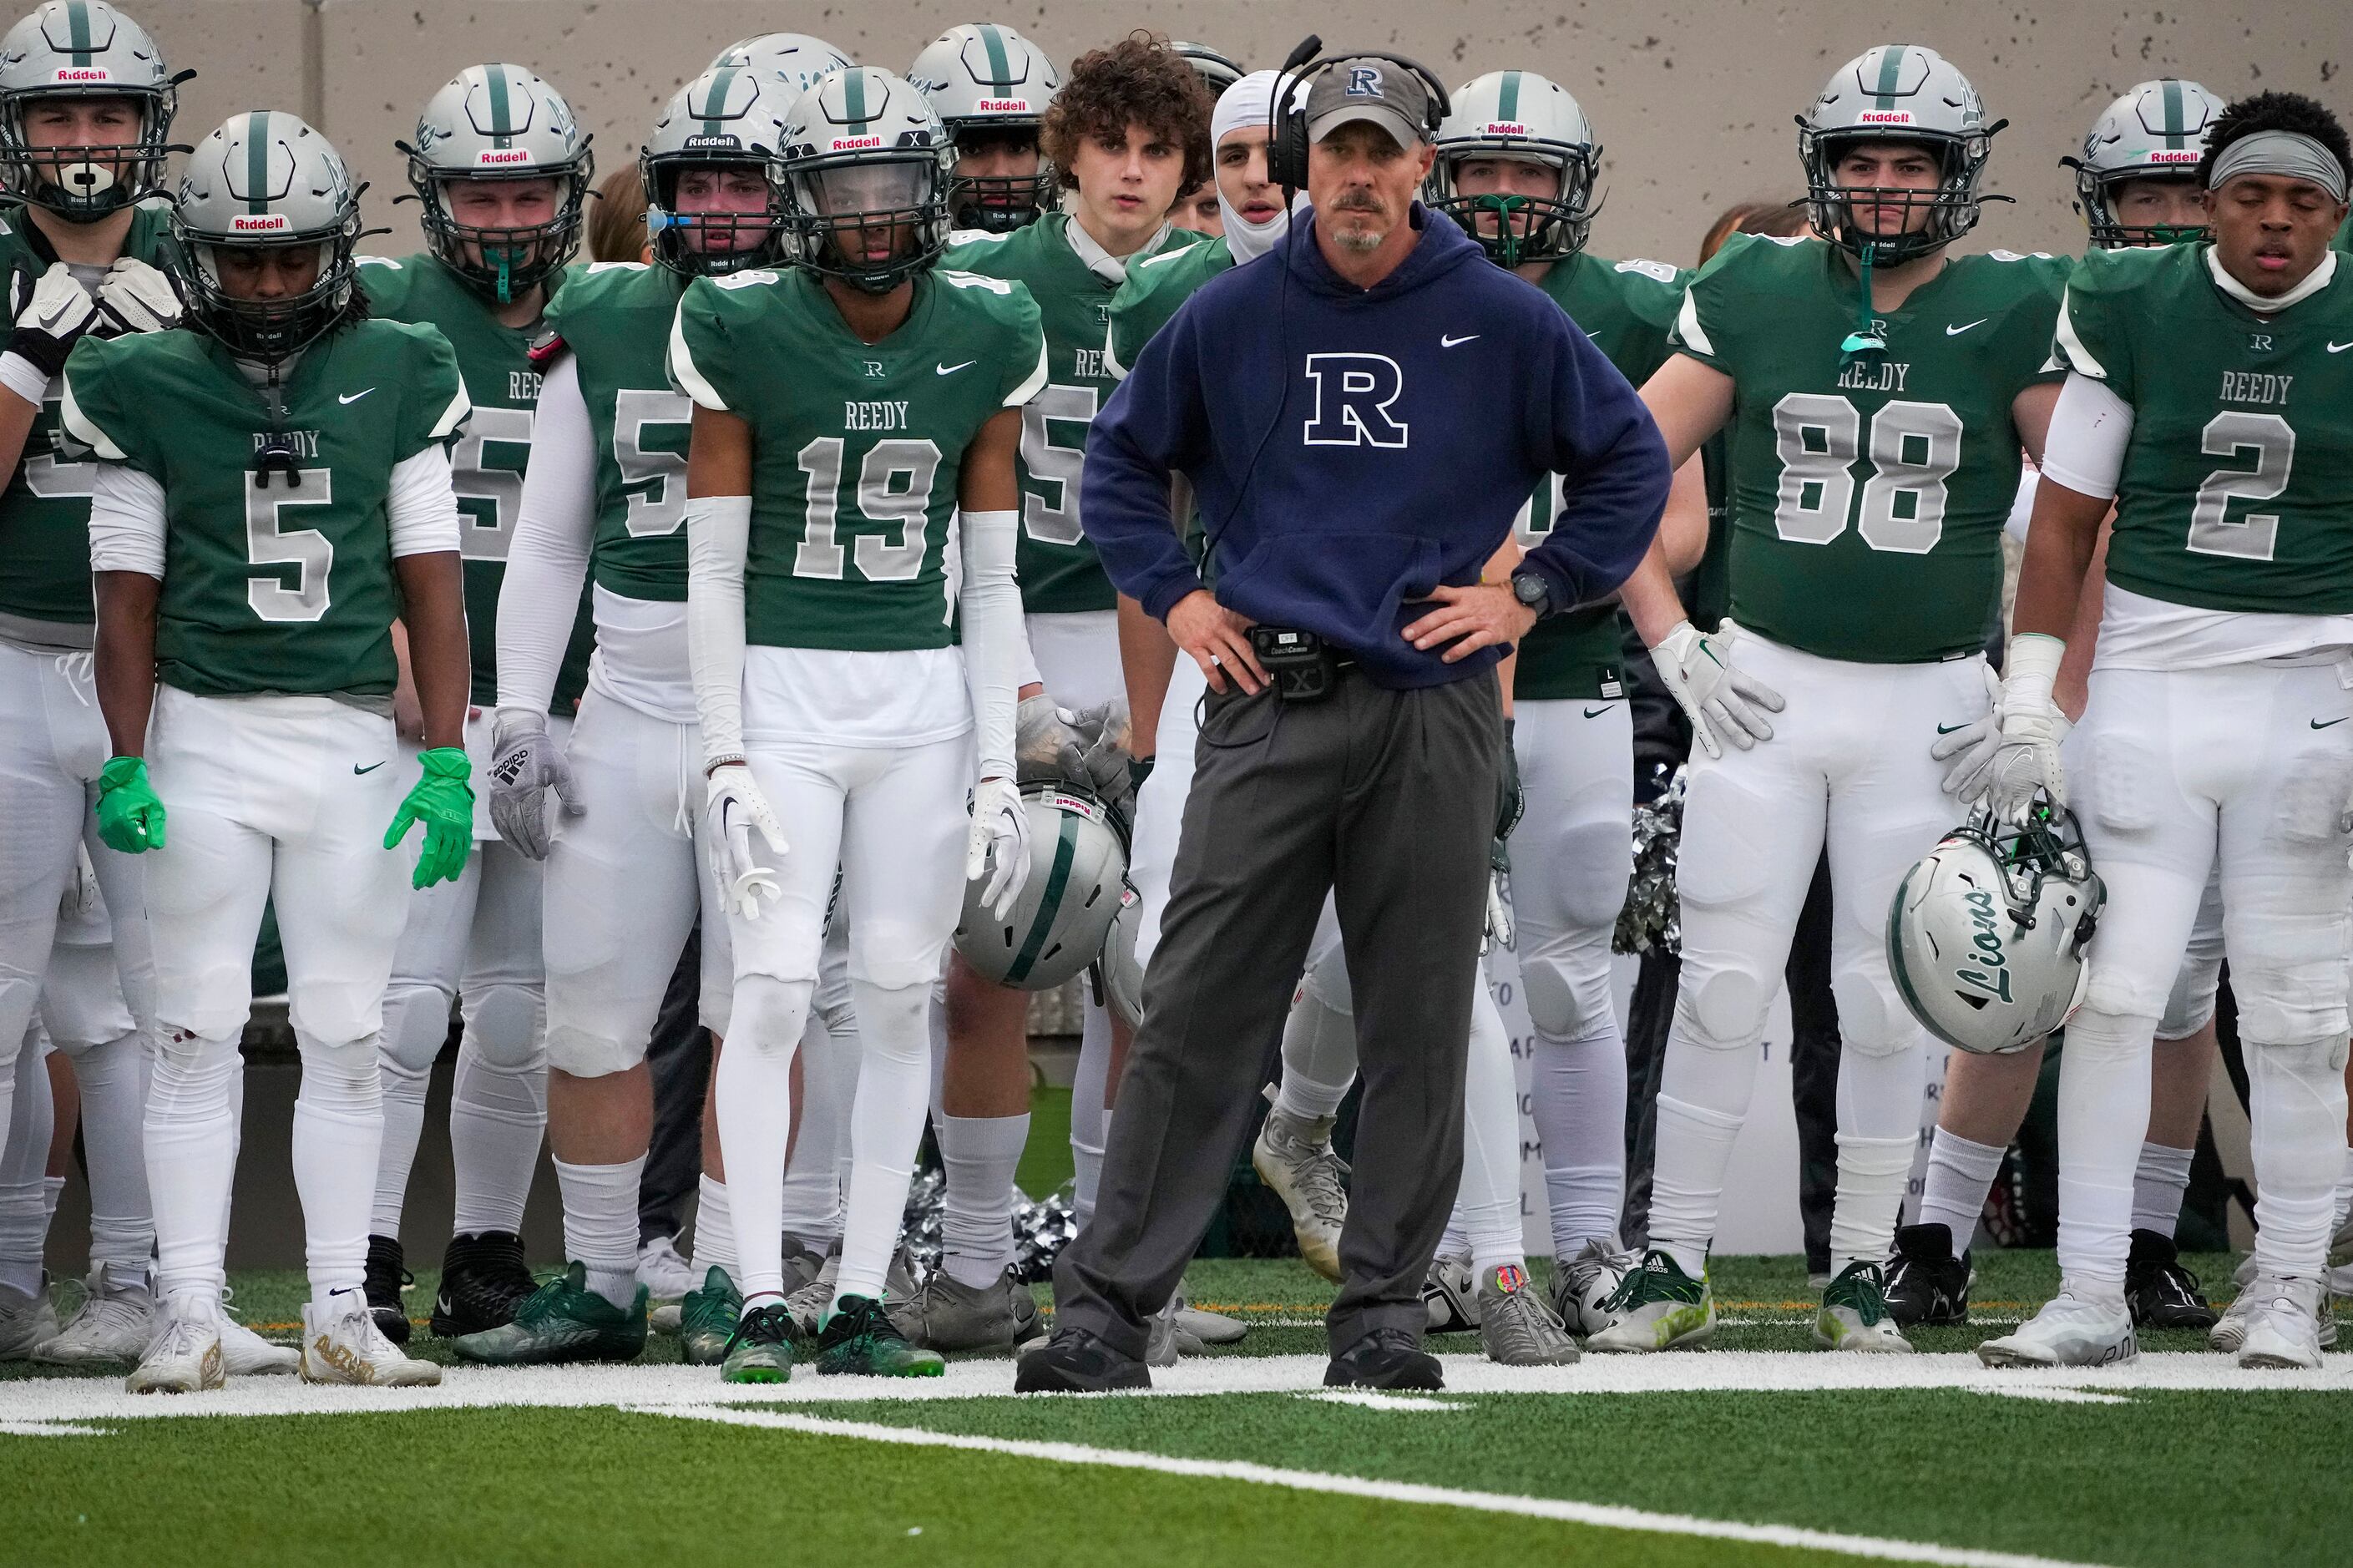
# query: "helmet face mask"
265,181
1896,95
491,125
868,177
714,174
991,86
81,52
1516,118
2154,132
1000,203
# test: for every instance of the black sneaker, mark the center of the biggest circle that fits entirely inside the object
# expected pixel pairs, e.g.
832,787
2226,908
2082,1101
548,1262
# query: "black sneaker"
1927,1285
1386,1358
483,1281
387,1276
2161,1293
1077,1362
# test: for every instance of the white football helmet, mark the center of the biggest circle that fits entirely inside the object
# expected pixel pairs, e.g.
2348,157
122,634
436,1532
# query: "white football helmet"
1986,934
2158,130
1897,92
987,82
1077,869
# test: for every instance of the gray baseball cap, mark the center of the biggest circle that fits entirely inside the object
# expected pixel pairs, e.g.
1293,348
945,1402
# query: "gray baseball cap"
1378,91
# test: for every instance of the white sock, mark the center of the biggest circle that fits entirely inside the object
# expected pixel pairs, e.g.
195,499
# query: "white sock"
404,1126
1454,1242
1961,1172
1319,1055
53,1190
2345,1191
2104,1091
113,1078
2160,1181
600,1224
498,1112
1871,1174
24,1173
752,1092
714,1231
1578,1099
338,1136
1089,1120
812,1195
2296,1103
191,1137
1695,1145
1490,1195
886,1124
980,1154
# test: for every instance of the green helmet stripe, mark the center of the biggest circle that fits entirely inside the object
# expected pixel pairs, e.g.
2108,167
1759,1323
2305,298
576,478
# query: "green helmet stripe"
78,31
2174,135
501,126
716,101
1000,68
1507,101
1891,75
257,161
1066,849
853,102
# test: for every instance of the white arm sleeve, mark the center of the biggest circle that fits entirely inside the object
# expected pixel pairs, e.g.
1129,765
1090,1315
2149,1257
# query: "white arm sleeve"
547,559
2021,505
995,643
126,522
2089,432
718,535
422,508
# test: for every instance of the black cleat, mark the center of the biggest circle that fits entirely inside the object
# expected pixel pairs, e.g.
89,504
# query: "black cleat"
386,1274
1386,1358
1927,1287
1077,1362
2161,1293
483,1281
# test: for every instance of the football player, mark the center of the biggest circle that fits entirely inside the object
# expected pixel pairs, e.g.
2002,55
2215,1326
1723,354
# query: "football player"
2205,399
1877,392
1199,210
823,621
604,504
2136,185
991,87
502,171
1126,133
86,105
251,554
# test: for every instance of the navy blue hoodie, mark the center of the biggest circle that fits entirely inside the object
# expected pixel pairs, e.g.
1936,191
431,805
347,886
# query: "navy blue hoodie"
1352,448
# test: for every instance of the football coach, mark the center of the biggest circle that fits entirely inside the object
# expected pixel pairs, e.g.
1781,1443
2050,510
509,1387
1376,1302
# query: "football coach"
1361,413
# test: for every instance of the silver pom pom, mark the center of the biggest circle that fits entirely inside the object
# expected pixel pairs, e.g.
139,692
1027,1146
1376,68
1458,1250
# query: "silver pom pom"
1653,916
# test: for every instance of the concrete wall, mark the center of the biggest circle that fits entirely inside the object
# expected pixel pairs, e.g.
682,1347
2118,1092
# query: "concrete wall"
1693,101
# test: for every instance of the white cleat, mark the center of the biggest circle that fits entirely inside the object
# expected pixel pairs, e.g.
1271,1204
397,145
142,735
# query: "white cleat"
2229,1333
1197,1328
2282,1323
113,1327
2070,1330
666,1278
186,1355
250,1356
25,1322
347,1347
1587,1279
1294,1157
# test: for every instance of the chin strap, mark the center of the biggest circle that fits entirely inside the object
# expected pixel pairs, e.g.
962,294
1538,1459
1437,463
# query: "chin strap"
1864,341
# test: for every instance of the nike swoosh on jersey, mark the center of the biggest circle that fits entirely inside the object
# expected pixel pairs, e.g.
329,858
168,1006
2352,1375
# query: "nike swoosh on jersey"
952,369
2339,348
1953,331
1446,343
369,769
2325,723
355,397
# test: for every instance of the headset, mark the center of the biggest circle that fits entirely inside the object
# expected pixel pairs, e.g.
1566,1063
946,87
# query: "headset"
1286,146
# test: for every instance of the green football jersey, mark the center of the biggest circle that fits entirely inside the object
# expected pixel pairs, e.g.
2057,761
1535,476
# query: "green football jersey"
1155,287
614,319
1625,308
856,447
2237,489
45,511
488,463
1058,565
287,588
1869,492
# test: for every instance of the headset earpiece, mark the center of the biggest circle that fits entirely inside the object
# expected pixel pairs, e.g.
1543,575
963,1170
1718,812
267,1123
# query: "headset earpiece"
1286,152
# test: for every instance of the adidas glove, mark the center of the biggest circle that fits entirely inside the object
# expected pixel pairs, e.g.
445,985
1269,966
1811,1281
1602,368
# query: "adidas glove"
998,844
733,808
136,298
525,763
130,813
444,802
59,311
1722,703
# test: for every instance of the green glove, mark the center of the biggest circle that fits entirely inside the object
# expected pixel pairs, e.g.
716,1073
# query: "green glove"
444,802
130,813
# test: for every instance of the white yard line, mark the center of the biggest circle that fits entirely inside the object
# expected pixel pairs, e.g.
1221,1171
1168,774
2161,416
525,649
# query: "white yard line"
1599,1515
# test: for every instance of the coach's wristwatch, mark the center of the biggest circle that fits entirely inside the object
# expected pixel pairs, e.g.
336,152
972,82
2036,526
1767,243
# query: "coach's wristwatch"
1530,589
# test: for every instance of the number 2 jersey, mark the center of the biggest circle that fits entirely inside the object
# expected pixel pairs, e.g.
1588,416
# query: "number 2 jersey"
1869,490
488,462
283,588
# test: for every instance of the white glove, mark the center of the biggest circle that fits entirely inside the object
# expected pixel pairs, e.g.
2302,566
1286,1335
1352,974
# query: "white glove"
2031,728
997,845
525,763
136,298
733,807
1721,702
58,312
82,901
1970,748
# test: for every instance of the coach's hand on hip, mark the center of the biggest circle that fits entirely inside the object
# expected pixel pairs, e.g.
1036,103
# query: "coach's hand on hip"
1218,639
1483,615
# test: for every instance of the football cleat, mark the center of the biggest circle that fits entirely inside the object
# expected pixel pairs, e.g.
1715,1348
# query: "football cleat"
666,1278
946,1314
2229,1333
2159,1292
1451,1296
1587,1280
483,1281
388,1276
1161,1346
25,1322
1197,1328
2282,1323
1386,1358
113,1326
1077,1362
808,1303
1927,1286
2069,1331
563,1321
760,1348
1657,1307
346,1346
186,1355
1516,1327
708,1322
1294,1157
1854,1316
246,1354
859,1339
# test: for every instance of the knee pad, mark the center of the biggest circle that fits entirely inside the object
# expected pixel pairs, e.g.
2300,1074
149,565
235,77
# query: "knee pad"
2119,775
1327,982
580,1053
893,955
2191,1007
1723,1011
1566,985
196,1076
894,1022
770,1014
2288,976
2103,1035
505,1023
416,1027
2310,798
1866,1023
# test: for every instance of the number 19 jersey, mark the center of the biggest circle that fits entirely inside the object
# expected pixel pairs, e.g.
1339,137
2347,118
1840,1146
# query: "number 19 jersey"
1869,492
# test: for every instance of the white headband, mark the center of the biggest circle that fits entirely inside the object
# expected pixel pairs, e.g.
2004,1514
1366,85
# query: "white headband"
2291,154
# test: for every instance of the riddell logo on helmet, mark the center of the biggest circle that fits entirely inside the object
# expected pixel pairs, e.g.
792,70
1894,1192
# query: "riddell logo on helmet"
258,223
1885,117
1506,128
1005,106
500,156
855,144
2163,156
83,73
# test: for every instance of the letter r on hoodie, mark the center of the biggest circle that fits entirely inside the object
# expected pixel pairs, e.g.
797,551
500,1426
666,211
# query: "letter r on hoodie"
1353,393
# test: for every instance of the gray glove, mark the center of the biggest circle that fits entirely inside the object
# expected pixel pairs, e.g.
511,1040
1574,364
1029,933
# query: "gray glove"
525,763
1098,756
136,298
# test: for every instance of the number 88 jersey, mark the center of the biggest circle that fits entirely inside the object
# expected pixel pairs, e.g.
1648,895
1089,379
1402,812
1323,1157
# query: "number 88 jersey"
1869,492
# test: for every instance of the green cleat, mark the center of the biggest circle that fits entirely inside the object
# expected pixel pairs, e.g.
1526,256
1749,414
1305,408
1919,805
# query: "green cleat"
563,1321
706,1322
1854,1315
859,1339
1657,1307
760,1348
